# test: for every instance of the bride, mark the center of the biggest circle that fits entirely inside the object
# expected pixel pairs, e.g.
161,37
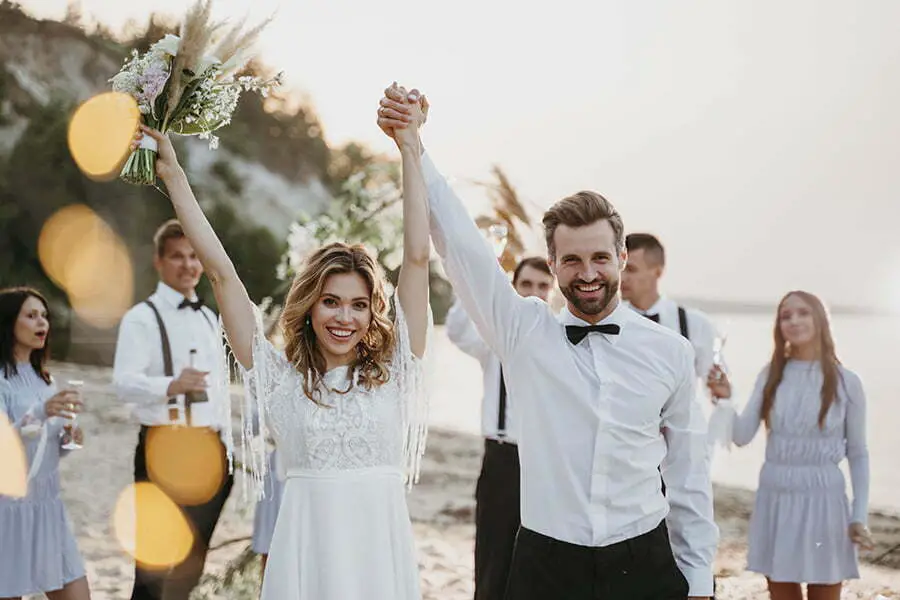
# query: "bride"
344,399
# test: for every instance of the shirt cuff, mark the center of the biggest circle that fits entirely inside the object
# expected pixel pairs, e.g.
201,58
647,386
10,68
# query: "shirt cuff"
429,171
700,581
159,386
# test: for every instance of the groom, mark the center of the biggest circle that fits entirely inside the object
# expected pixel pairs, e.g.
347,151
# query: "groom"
605,397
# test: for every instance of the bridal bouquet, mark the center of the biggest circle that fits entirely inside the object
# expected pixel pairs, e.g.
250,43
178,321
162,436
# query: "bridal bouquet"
187,85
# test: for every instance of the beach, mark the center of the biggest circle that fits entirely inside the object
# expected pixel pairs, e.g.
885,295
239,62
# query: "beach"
442,509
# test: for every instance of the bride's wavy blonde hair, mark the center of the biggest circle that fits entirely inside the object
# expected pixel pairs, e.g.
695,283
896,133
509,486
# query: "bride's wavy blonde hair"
375,349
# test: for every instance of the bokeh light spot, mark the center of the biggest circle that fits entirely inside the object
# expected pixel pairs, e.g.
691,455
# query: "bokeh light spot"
151,528
186,462
13,467
100,134
86,258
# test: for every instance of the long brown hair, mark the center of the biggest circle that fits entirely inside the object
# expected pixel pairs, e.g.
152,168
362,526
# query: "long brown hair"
827,357
301,346
11,302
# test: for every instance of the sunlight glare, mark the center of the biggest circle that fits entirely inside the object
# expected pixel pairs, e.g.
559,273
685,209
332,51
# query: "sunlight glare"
186,462
162,536
100,134
85,257
13,467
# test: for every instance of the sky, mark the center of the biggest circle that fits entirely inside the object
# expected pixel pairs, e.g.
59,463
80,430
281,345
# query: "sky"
757,139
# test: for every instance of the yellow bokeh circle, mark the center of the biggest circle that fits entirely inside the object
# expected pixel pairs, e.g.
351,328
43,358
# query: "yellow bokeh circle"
100,134
151,528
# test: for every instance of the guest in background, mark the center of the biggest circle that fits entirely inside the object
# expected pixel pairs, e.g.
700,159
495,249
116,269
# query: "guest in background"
38,552
802,529
267,512
497,495
173,332
640,289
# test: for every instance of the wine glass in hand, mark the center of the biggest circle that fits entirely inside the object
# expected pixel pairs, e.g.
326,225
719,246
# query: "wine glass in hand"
70,430
497,235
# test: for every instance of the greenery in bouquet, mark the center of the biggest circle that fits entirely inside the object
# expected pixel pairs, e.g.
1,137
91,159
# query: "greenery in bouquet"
188,84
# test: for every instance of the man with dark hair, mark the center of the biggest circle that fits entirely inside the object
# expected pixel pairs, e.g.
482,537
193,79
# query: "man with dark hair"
185,418
497,494
604,399
640,289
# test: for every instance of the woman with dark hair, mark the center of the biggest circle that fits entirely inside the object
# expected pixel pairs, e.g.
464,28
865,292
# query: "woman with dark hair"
38,553
803,530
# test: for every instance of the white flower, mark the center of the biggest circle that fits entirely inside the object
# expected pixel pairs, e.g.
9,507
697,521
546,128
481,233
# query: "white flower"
126,82
169,44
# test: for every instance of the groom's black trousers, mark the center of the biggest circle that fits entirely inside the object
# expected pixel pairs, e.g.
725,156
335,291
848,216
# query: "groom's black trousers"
642,568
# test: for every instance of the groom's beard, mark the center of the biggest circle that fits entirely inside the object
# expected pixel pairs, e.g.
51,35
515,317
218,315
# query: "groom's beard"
591,306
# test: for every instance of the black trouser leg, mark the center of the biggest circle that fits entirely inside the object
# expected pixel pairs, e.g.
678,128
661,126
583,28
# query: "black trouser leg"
496,519
177,582
203,518
148,584
641,568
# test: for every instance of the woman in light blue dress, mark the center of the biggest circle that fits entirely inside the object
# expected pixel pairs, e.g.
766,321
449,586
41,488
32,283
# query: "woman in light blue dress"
803,529
38,552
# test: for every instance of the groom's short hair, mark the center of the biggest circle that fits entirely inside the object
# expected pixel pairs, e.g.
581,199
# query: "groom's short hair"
580,210
170,230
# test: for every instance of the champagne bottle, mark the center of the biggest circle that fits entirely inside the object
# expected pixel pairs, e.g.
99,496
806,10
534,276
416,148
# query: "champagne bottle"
191,398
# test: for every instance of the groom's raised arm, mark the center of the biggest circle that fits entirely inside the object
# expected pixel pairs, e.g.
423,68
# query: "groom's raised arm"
500,314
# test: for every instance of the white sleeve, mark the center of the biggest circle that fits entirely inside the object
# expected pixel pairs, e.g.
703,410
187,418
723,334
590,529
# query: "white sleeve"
462,333
501,316
686,471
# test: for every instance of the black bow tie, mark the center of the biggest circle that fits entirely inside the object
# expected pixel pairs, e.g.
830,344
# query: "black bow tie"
576,333
188,304
654,317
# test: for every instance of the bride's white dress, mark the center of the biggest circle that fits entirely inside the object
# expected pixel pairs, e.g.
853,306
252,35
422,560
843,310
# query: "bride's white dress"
343,531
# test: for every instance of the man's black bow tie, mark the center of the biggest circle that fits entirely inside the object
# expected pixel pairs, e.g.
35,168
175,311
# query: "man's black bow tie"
654,317
188,304
576,333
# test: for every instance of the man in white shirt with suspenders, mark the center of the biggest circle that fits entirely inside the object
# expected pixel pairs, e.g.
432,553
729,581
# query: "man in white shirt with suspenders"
173,332
497,493
640,290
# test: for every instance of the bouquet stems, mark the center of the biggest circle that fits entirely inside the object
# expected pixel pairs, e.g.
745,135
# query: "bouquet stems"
140,168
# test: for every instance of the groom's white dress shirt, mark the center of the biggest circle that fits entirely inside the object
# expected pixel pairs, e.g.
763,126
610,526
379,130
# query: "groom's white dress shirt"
596,419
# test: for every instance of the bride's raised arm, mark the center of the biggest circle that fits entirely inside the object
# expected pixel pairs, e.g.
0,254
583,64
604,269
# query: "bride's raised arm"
231,295
413,281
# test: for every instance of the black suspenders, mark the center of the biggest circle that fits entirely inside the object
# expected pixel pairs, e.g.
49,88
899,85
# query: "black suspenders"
168,371
682,322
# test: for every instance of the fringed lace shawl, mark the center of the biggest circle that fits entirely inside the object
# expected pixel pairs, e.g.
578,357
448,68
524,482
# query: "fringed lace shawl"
271,369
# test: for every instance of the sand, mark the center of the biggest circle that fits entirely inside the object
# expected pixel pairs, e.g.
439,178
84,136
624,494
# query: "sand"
442,508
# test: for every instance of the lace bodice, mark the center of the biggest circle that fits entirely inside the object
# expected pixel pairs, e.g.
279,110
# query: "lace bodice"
360,428
351,427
